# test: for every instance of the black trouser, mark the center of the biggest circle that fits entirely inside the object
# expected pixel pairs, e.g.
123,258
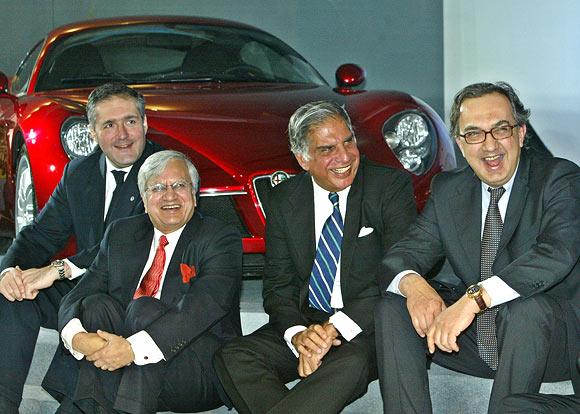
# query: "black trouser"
532,339
178,385
254,370
20,323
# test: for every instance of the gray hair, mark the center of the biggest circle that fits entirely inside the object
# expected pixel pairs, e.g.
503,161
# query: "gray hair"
156,163
477,90
310,116
109,90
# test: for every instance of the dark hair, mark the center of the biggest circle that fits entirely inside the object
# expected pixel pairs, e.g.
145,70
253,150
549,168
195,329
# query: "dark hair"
309,116
107,91
476,90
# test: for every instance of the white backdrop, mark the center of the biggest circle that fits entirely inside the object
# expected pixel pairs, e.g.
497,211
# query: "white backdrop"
532,44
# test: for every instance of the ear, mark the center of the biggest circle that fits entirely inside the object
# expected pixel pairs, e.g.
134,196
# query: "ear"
305,164
93,133
522,134
460,145
145,126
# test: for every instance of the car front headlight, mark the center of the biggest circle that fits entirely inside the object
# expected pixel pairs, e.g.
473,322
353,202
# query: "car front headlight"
75,137
411,137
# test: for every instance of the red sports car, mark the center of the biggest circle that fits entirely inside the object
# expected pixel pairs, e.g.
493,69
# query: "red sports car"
220,91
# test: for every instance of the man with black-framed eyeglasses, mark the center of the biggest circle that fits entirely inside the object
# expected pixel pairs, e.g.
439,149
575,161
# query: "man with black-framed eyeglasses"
509,226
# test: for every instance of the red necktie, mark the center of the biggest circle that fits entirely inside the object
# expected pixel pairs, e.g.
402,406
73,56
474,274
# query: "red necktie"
152,279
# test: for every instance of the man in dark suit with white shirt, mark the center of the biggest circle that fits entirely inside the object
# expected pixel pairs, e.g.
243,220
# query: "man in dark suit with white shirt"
141,327
85,200
326,231
509,226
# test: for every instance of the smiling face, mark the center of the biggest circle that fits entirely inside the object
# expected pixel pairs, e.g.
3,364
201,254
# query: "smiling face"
334,156
493,161
119,130
171,209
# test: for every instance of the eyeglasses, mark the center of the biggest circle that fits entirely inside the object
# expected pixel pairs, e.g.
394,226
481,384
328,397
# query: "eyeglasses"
178,186
477,136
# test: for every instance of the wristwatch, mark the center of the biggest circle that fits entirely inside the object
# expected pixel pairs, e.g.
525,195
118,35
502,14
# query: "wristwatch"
59,266
474,292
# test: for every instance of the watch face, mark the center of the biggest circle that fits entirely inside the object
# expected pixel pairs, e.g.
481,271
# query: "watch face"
473,290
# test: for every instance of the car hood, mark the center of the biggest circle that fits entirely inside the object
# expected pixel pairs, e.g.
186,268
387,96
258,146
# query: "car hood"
236,130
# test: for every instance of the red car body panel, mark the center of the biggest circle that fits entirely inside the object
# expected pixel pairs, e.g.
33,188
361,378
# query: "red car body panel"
233,132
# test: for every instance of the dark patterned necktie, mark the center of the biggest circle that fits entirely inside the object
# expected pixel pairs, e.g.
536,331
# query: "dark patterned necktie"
326,260
486,335
152,279
119,179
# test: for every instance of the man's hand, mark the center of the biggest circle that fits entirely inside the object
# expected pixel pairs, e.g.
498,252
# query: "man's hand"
423,302
12,286
325,335
313,340
87,343
38,279
450,323
307,365
116,353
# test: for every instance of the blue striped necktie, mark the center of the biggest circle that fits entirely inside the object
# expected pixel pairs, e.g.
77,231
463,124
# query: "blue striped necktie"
326,260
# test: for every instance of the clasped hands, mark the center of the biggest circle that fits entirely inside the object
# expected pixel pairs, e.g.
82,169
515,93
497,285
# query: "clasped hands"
105,350
430,316
18,284
312,345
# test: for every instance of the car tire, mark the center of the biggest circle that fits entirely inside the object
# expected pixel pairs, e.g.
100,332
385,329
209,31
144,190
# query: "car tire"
25,208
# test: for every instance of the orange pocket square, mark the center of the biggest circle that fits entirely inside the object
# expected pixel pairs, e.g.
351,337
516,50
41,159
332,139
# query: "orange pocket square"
187,272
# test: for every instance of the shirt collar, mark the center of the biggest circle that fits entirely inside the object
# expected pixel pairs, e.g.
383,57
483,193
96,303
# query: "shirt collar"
111,166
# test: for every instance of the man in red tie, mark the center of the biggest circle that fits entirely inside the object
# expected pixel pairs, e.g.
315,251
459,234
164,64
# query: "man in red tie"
161,297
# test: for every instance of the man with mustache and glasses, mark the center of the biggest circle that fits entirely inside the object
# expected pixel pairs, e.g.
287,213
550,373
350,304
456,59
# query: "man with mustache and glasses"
509,226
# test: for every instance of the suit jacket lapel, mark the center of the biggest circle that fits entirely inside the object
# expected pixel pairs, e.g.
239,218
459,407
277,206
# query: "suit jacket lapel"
172,284
516,202
467,219
352,223
94,196
134,257
300,212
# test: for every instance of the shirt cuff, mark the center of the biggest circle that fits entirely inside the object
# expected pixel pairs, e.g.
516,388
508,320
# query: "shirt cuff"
73,327
74,270
394,285
498,291
145,349
345,325
289,334
5,271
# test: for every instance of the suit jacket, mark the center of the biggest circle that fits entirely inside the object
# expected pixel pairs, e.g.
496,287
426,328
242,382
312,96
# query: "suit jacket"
380,198
205,306
540,241
76,209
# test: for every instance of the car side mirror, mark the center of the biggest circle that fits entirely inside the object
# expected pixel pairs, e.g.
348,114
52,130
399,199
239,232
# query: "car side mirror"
348,76
4,83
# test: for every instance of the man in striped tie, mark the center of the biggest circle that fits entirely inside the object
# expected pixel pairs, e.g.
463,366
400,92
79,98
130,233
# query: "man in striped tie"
326,231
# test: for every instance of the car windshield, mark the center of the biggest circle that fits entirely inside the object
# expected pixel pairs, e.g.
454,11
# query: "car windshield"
171,53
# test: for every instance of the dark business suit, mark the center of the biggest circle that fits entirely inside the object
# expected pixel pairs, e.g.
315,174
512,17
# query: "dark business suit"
537,257
75,209
188,324
380,198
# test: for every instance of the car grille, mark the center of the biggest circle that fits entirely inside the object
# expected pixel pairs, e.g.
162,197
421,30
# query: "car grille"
224,209
263,186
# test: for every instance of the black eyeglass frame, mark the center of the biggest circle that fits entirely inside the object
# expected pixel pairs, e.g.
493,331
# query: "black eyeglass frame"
490,131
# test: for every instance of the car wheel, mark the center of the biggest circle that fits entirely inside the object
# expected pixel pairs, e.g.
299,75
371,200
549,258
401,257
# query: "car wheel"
25,209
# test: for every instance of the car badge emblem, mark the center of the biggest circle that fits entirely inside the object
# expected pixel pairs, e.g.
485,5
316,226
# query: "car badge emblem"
277,177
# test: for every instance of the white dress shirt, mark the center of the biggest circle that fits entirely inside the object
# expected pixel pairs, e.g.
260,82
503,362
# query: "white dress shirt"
498,291
323,208
144,348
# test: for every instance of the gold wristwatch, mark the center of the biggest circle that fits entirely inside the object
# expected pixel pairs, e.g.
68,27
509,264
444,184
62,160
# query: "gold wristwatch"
475,292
